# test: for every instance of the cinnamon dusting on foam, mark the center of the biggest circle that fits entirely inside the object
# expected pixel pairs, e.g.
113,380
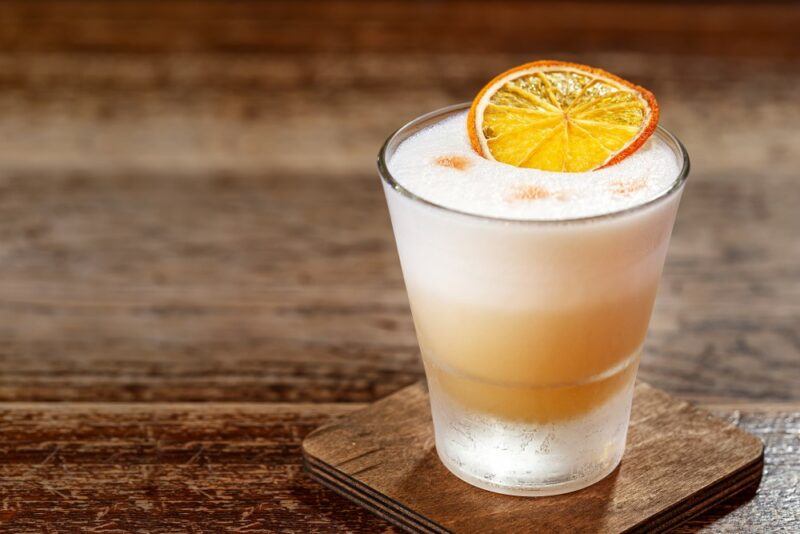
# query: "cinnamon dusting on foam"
528,192
438,164
522,193
619,187
459,163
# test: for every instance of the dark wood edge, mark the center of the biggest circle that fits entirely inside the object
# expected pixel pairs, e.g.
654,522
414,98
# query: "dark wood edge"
353,488
391,506
746,477
357,491
366,504
375,502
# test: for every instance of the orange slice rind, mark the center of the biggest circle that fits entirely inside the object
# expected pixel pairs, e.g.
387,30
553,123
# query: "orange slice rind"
562,117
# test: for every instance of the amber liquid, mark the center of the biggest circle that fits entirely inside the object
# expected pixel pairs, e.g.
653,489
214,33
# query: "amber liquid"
537,365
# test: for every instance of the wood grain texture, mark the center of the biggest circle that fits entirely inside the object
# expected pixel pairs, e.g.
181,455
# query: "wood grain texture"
163,239
679,461
164,468
287,26
176,467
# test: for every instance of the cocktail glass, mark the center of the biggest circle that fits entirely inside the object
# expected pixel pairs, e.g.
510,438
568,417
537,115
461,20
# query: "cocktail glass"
530,331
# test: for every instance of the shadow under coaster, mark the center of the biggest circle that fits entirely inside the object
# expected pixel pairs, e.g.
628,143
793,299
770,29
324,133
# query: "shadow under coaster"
679,462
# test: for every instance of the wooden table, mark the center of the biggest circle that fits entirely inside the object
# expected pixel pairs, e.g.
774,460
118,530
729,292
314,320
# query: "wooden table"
196,264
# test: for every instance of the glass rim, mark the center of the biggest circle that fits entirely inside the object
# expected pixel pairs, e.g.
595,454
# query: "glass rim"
421,121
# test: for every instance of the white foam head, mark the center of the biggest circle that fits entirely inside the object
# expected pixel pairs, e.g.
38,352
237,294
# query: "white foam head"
438,164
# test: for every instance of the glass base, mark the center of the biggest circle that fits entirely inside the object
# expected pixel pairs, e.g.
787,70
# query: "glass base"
525,458
533,490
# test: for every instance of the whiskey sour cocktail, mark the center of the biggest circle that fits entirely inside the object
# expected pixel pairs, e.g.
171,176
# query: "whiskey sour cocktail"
532,228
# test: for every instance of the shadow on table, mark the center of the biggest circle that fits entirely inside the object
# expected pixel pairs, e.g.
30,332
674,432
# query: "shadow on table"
431,490
707,518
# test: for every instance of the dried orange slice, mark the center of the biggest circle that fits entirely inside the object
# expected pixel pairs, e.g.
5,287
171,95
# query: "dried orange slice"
559,116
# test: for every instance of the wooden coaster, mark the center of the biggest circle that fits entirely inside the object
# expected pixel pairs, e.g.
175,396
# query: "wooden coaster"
679,462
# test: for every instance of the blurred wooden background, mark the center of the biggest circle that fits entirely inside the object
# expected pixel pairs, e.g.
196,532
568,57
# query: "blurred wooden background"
190,213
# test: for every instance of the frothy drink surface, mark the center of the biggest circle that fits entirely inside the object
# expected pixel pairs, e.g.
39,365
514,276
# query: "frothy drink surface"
439,165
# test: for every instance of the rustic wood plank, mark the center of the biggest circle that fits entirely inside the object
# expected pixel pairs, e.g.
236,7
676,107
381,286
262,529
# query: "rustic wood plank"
152,26
163,240
174,467
165,468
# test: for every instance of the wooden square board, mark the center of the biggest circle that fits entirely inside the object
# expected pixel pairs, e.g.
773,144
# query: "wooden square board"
679,461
